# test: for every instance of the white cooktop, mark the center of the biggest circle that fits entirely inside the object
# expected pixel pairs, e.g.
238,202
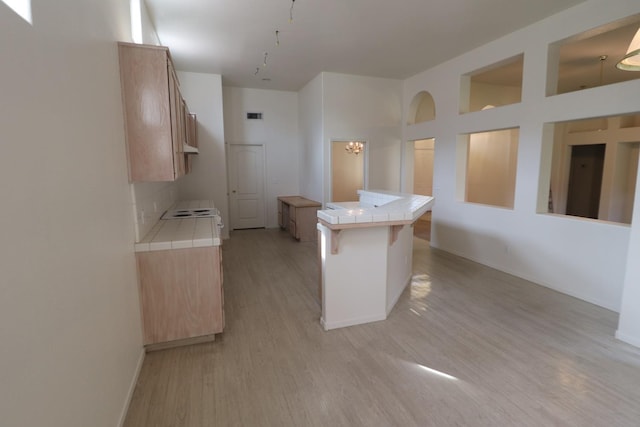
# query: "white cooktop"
190,213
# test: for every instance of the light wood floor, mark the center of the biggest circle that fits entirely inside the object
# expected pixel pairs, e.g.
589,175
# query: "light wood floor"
515,354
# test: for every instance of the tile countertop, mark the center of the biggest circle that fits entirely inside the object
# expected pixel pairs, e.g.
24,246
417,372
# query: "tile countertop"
182,233
377,206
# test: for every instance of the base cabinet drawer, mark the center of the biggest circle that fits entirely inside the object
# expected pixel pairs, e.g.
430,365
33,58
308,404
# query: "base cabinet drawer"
180,293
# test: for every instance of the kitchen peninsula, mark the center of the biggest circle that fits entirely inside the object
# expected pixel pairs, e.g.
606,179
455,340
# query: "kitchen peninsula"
366,255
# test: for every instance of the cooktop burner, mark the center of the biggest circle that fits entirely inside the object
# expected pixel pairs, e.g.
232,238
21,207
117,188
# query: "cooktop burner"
191,213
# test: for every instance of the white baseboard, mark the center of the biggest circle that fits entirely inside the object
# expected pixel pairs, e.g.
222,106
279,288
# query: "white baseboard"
629,339
535,280
132,388
351,322
396,297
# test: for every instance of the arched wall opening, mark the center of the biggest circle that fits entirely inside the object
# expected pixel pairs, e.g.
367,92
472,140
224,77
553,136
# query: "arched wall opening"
422,108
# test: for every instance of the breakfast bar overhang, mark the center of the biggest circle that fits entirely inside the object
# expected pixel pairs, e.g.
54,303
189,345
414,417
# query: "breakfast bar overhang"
366,255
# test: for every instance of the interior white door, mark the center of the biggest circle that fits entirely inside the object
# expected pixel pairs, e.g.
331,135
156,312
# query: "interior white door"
246,186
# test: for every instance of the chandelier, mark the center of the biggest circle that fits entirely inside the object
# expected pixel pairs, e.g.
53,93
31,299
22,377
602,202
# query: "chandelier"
354,147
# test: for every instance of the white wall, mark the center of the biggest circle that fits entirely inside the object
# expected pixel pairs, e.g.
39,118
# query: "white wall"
629,326
364,109
71,336
311,158
576,256
150,200
208,178
342,107
277,131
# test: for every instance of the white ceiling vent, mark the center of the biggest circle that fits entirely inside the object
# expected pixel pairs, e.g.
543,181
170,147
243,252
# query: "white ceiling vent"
254,116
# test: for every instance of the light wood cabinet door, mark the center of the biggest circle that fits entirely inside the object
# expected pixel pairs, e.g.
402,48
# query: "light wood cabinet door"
152,107
192,136
192,129
177,123
306,220
180,293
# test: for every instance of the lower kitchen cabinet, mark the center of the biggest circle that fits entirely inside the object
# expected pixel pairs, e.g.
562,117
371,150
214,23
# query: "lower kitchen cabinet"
299,216
181,295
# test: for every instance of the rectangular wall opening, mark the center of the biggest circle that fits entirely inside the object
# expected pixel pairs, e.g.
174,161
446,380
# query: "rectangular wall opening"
491,163
589,59
493,86
592,168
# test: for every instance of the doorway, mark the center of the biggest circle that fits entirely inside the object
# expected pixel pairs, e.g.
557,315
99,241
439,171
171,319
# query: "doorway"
246,186
347,170
423,154
585,180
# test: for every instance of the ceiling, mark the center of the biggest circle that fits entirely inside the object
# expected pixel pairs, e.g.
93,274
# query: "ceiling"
379,38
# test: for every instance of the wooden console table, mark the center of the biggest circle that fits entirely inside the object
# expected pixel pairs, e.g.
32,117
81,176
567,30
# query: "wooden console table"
299,216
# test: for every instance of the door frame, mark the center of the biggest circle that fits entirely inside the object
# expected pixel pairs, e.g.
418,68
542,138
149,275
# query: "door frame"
365,156
264,177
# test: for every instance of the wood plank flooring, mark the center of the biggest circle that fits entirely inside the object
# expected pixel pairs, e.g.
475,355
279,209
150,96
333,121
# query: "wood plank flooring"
465,346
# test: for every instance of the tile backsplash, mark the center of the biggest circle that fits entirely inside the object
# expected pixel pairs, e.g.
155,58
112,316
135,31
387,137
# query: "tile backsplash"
149,201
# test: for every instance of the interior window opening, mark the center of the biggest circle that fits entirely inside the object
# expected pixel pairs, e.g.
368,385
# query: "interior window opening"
497,85
423,157
489,163
594,168
595,58
136,21
22,8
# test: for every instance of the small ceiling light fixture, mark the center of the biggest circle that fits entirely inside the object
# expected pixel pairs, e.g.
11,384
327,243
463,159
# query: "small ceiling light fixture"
277,38
266,55
631,61
257,71
293,2
602,59
355,147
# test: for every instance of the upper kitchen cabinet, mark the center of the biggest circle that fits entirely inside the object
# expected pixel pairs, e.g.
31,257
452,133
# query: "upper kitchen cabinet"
154,113
192,138
192,130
